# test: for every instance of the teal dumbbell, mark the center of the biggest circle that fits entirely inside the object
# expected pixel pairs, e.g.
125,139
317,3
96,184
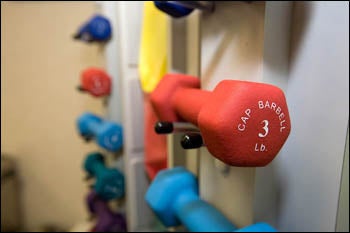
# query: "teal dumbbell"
173,196
110,182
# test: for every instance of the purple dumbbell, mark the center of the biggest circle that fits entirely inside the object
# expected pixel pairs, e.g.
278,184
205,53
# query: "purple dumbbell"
107,221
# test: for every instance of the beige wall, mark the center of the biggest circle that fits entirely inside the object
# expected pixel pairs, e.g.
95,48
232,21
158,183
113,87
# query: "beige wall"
40,66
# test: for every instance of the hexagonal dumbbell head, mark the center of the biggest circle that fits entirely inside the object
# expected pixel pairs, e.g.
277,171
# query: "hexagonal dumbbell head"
110,136
245,123
95,81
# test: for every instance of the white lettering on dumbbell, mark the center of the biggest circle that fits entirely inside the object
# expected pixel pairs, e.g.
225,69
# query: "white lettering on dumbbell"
262,147
282,127
281,116
98,85
241,127
278,111
273,106
114,138
247,111
266,128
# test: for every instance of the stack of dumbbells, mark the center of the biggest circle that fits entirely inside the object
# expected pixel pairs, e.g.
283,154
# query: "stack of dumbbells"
107,182
241,123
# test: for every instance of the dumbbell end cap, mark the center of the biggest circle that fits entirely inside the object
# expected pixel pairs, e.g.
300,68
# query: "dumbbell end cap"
164,127
191,141
76,36
87,138
88,177
83,37
80,88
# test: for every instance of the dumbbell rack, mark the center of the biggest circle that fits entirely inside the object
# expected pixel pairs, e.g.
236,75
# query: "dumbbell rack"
126,105
245,63
246,41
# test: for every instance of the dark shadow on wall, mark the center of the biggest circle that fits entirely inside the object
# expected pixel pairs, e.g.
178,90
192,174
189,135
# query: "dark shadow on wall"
11,208
301,15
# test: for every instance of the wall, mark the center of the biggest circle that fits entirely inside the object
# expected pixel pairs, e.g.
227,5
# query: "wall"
39,105
299,190
318,93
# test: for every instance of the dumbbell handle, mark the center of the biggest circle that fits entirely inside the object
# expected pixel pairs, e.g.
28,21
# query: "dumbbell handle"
199,216
93,126
257,227
97,168
188,103
100,208
165,127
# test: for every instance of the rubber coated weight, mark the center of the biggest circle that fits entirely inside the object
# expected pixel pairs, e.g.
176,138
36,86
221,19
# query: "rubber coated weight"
95,81
107,134
173,196
109,182
164,127
96,29
106,219
242,123
173,9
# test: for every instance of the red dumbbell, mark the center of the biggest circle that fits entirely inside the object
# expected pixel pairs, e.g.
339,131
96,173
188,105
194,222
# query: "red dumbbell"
242,123
95,81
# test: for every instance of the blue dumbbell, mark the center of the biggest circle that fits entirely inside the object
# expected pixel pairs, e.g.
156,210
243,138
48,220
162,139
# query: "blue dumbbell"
173,9
173,196
109,182
98,29
179,9
108,135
